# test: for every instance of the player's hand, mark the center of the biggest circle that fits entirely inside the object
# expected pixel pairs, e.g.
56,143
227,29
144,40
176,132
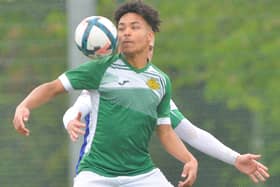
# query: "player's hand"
21,116
75,128
189,173
248,164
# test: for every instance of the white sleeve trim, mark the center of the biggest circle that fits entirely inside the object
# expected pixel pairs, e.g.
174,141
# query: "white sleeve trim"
164,121
65,82
205,142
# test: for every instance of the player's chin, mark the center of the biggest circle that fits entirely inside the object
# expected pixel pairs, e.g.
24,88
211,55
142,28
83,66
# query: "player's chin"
128,52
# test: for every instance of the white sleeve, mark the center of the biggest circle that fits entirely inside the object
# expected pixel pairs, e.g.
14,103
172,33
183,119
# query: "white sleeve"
82,104
205,142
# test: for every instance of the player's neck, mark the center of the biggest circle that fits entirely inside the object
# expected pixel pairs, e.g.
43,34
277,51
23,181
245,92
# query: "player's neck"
138,60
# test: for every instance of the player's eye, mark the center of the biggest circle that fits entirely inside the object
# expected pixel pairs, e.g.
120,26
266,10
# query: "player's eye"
135,27
120,28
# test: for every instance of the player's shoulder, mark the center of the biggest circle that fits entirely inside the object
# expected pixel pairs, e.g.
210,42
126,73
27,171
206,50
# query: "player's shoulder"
157,70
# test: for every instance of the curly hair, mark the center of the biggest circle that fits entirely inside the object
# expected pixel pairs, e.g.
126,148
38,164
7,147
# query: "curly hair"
150,15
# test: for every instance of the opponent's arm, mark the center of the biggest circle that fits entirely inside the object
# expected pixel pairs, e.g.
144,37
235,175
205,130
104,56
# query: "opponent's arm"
38,96
82,105
208,144
205,142
72,117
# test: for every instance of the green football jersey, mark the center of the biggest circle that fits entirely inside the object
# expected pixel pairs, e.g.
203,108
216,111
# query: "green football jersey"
175,115
130,103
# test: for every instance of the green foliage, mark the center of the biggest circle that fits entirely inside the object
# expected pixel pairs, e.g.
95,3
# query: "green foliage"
32,51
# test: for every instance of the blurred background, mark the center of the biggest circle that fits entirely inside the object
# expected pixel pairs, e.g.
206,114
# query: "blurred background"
222,57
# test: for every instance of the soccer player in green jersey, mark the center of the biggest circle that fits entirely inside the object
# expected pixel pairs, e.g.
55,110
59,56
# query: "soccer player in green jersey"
133,100
79,117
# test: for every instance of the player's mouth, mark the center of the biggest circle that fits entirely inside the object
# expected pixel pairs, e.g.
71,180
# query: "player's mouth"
127,43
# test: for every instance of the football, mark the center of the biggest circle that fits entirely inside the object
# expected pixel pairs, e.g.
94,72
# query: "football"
96,36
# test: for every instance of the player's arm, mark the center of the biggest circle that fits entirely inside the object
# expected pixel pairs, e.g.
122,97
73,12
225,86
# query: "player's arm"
72,117
86,76
38,96
174,146
170,141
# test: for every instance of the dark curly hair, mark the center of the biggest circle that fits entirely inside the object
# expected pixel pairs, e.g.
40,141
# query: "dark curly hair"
150,15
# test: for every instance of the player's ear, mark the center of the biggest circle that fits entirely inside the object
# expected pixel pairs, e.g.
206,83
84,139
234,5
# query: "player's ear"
151,38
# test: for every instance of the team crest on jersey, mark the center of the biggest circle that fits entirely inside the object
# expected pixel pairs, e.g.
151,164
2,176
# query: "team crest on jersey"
153,84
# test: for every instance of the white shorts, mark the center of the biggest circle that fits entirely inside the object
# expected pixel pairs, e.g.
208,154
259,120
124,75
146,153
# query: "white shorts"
153,178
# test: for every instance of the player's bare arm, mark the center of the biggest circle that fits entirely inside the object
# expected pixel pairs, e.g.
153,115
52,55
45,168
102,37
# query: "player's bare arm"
37,97
175,147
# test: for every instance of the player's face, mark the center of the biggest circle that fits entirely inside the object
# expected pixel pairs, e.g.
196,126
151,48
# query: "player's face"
134,34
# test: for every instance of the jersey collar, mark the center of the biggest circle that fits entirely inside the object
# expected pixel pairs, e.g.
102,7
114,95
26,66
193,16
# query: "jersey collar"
133,68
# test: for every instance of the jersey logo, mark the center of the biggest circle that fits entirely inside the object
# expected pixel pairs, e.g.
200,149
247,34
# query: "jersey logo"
153,84
123,82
